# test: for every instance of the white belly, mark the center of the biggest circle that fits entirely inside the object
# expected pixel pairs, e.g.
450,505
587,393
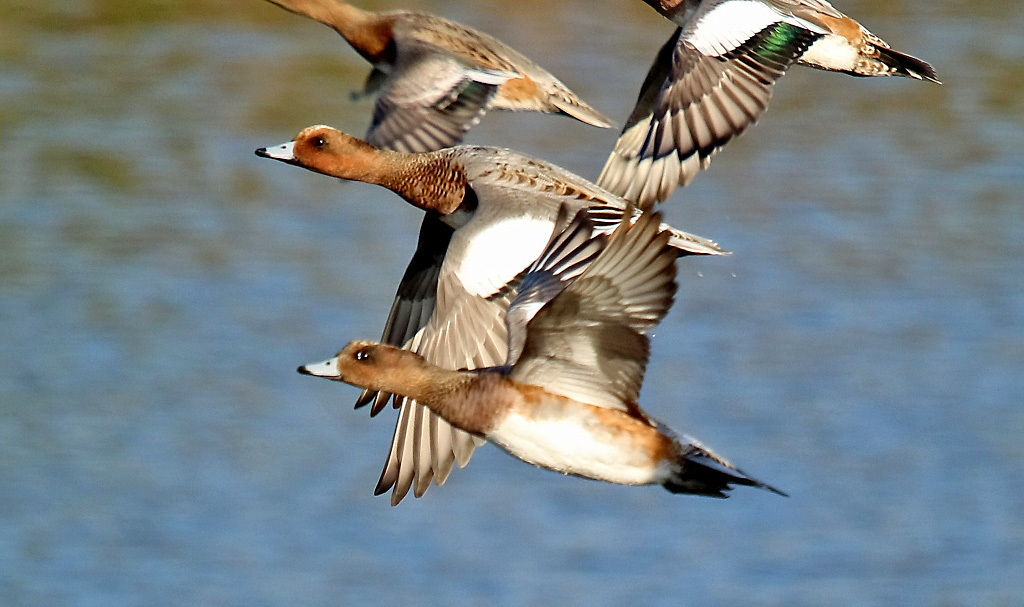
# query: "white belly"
576,445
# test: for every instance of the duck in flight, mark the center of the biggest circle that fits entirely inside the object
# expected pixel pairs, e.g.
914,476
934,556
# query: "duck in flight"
714,78
490,213
434,78
565,397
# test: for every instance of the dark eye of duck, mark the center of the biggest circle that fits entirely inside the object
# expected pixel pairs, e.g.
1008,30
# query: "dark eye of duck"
363,354
318,142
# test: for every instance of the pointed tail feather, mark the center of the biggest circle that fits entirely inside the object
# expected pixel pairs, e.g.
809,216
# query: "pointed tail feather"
583,112
702,472
903,64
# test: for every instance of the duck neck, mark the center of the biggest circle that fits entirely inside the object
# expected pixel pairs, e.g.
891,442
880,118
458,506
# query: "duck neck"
369,33
472,402
430,181
453,395
422,382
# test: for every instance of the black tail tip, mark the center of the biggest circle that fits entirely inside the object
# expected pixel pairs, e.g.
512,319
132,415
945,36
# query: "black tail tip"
718,488
768,487
908,65
921,71
703,473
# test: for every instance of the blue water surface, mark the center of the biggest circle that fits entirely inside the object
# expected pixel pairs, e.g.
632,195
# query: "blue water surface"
863,347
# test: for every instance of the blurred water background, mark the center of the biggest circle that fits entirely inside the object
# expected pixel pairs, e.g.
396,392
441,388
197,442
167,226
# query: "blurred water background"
863,348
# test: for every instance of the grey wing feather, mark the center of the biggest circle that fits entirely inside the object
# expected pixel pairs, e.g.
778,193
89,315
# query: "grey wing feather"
417,293
571,250
544,183
374,82
589,342
429,103
469,334
691,105
806,9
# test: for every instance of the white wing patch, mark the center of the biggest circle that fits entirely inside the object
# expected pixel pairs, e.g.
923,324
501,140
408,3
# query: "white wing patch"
485,76
496,254
730,24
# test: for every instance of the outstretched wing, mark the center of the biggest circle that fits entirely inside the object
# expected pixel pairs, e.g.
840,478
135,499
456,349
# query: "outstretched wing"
708,83
465,332
501,174
429,102
589,343
416,296
476,281
569,253
427,444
